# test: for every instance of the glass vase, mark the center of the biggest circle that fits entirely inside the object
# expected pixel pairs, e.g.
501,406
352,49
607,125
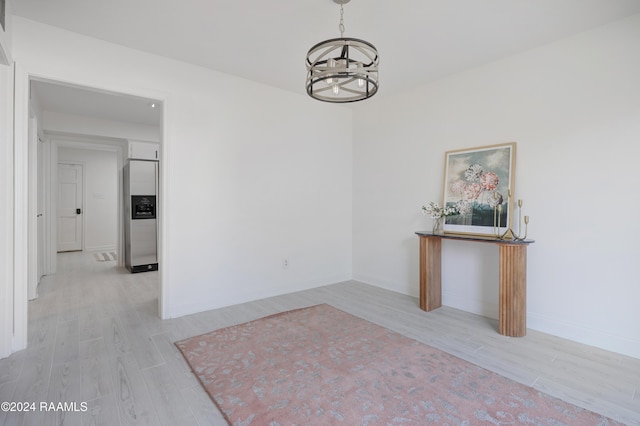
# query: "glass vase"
438,226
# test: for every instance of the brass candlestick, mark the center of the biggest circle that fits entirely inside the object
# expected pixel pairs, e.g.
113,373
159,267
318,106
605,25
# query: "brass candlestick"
526,224
496,224
508,234
497,215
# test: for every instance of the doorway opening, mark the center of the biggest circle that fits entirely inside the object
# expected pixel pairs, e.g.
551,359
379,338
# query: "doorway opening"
67,119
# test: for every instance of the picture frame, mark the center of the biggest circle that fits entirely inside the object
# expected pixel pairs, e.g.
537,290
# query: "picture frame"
5,54
3,6
479,183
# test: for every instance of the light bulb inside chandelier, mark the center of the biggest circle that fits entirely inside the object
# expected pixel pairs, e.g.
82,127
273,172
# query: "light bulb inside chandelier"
360,80
331,63
342,69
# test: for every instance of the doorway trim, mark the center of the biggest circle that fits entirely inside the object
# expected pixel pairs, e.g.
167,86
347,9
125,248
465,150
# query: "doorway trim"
24,217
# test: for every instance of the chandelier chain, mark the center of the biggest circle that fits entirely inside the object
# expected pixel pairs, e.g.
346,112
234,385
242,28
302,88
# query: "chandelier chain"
341,26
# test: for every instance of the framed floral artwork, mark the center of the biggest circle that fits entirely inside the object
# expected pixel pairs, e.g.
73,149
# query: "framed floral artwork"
479,184
5,54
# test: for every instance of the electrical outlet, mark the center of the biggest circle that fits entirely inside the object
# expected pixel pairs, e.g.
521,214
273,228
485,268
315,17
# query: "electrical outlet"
285,263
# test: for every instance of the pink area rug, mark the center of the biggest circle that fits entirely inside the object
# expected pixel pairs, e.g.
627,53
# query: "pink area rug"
323,366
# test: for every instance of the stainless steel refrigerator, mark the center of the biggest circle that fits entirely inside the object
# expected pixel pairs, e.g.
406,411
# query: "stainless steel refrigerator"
141,223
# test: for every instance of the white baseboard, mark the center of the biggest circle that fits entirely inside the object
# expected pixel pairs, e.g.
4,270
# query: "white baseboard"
452,299
207,305
387,285
554,326
474,306
586,335
545,324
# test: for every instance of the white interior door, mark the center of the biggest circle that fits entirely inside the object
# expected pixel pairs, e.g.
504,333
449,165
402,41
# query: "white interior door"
69,213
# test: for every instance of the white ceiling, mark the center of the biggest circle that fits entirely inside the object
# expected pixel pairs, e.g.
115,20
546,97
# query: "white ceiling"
419,41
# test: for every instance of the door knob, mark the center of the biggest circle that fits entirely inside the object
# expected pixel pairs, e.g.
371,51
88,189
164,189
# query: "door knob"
78,211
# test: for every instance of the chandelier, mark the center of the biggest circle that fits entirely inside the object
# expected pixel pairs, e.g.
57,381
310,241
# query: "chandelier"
342,69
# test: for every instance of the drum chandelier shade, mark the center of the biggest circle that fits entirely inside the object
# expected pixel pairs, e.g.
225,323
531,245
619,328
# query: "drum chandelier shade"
342,69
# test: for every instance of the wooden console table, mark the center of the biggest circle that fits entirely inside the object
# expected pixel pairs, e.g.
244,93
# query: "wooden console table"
513,278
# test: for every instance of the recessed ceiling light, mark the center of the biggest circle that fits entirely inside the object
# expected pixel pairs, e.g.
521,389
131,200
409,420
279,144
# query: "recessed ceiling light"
152,105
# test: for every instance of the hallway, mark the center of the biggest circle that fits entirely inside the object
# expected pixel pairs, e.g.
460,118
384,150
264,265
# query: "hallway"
95,338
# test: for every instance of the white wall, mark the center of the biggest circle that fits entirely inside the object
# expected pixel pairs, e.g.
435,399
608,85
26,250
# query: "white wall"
573,108
248,178
100,195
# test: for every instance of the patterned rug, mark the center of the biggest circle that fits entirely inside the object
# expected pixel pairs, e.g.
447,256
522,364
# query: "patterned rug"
323,366
105,257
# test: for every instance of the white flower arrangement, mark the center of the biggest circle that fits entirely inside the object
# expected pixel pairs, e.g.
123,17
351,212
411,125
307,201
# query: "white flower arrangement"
436,212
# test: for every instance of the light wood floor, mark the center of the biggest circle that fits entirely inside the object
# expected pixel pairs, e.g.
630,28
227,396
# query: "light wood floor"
95,337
